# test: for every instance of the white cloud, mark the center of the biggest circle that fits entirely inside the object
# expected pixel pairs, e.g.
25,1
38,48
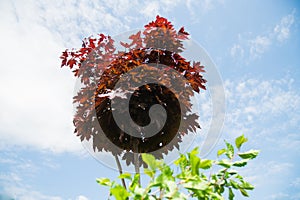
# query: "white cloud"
237,50
17,181
23,193
282,195
11,177
291,141
282,30
13,187
36,95
73,20
259,45
296,182
253,104
279,195
268,177
203,6
81,197
152,7
197,8
267,112
254,47
149,9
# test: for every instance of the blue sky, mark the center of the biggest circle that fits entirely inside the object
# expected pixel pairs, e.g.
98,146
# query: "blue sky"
254,44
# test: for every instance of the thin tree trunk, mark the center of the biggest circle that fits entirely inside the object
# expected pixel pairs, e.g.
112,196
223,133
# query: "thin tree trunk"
120,170
137,161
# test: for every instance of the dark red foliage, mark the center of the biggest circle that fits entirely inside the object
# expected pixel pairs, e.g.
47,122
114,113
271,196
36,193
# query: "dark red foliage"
99,67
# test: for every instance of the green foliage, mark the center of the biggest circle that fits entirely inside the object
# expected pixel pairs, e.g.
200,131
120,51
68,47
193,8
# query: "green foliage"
197,178
239,141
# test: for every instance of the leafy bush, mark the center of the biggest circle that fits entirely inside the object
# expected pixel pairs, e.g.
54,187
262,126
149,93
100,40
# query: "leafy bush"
196,178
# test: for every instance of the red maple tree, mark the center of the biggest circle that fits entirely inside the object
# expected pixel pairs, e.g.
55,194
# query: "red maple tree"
99,66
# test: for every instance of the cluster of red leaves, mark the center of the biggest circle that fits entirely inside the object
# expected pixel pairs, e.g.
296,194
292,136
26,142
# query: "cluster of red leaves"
99,68
90,60
158,34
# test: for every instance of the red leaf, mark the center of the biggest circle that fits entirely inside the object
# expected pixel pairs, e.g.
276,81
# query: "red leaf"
197,67
181,30
64,55
84,50
76,72
160,22
64,58
63,62
102,37
71,62
135,36
92,45
126,45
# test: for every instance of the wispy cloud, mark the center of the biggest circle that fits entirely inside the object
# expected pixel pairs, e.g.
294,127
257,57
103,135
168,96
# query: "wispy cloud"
296,183
270,178
282,195
81,197
13,186
24,193
253,48
282,30
17,176
237,50
266,111
152,7
197,8
258,46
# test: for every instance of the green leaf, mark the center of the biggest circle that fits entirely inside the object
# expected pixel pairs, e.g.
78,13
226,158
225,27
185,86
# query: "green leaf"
171,189
234,184
155,184
239,141
188,179
205,164
181,161
160,180
119,193
221,151
246,186
195,185
167,173
104,181
149,172
249,154
125,176
225,163
239,177
232,172
229,151
215,195
150,161
244,193
240,163
139,191
135,182
194,161
231,195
